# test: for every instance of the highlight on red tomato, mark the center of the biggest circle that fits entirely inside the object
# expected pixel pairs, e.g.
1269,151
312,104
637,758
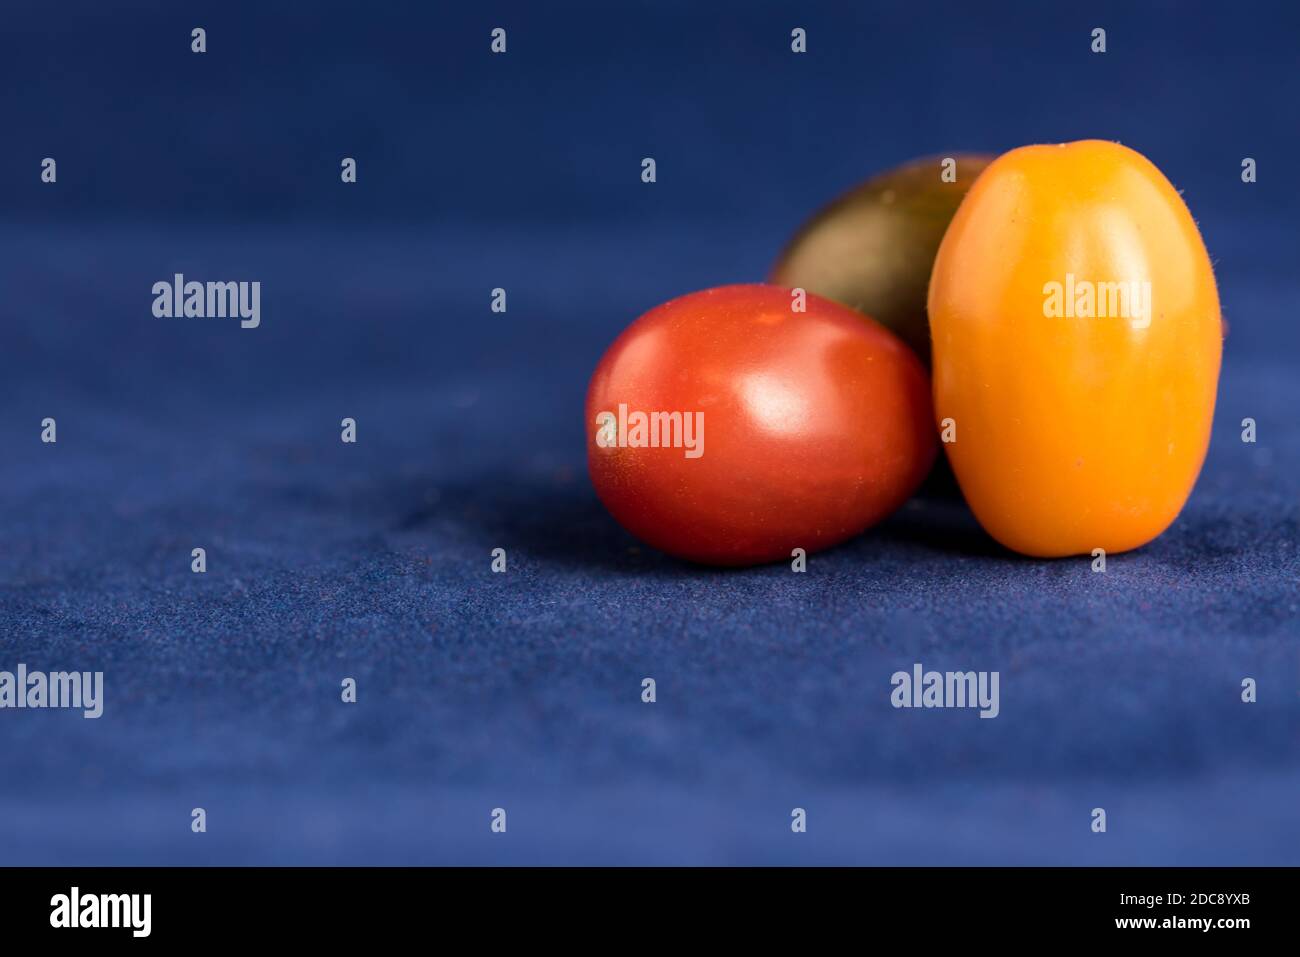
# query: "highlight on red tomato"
735,425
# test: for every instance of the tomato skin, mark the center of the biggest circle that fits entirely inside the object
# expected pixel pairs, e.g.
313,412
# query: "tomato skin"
817,425
873,248
1074,433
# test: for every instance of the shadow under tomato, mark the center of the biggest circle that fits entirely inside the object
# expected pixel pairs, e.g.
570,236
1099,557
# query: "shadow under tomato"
941,524
558,523
941,483
563,522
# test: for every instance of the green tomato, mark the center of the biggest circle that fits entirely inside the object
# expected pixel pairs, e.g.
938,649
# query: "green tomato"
873,248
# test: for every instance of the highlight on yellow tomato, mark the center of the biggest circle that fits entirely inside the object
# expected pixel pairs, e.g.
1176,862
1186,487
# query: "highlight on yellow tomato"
1076,335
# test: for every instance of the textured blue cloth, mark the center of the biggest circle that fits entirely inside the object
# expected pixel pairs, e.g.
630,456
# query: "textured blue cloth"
371,561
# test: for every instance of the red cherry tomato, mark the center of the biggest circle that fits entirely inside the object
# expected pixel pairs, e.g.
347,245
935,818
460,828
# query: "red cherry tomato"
726,427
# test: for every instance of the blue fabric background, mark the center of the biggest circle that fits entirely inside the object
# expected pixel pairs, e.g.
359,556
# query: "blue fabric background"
522,690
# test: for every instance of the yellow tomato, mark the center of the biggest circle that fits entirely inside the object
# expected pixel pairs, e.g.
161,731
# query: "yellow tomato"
1076,336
